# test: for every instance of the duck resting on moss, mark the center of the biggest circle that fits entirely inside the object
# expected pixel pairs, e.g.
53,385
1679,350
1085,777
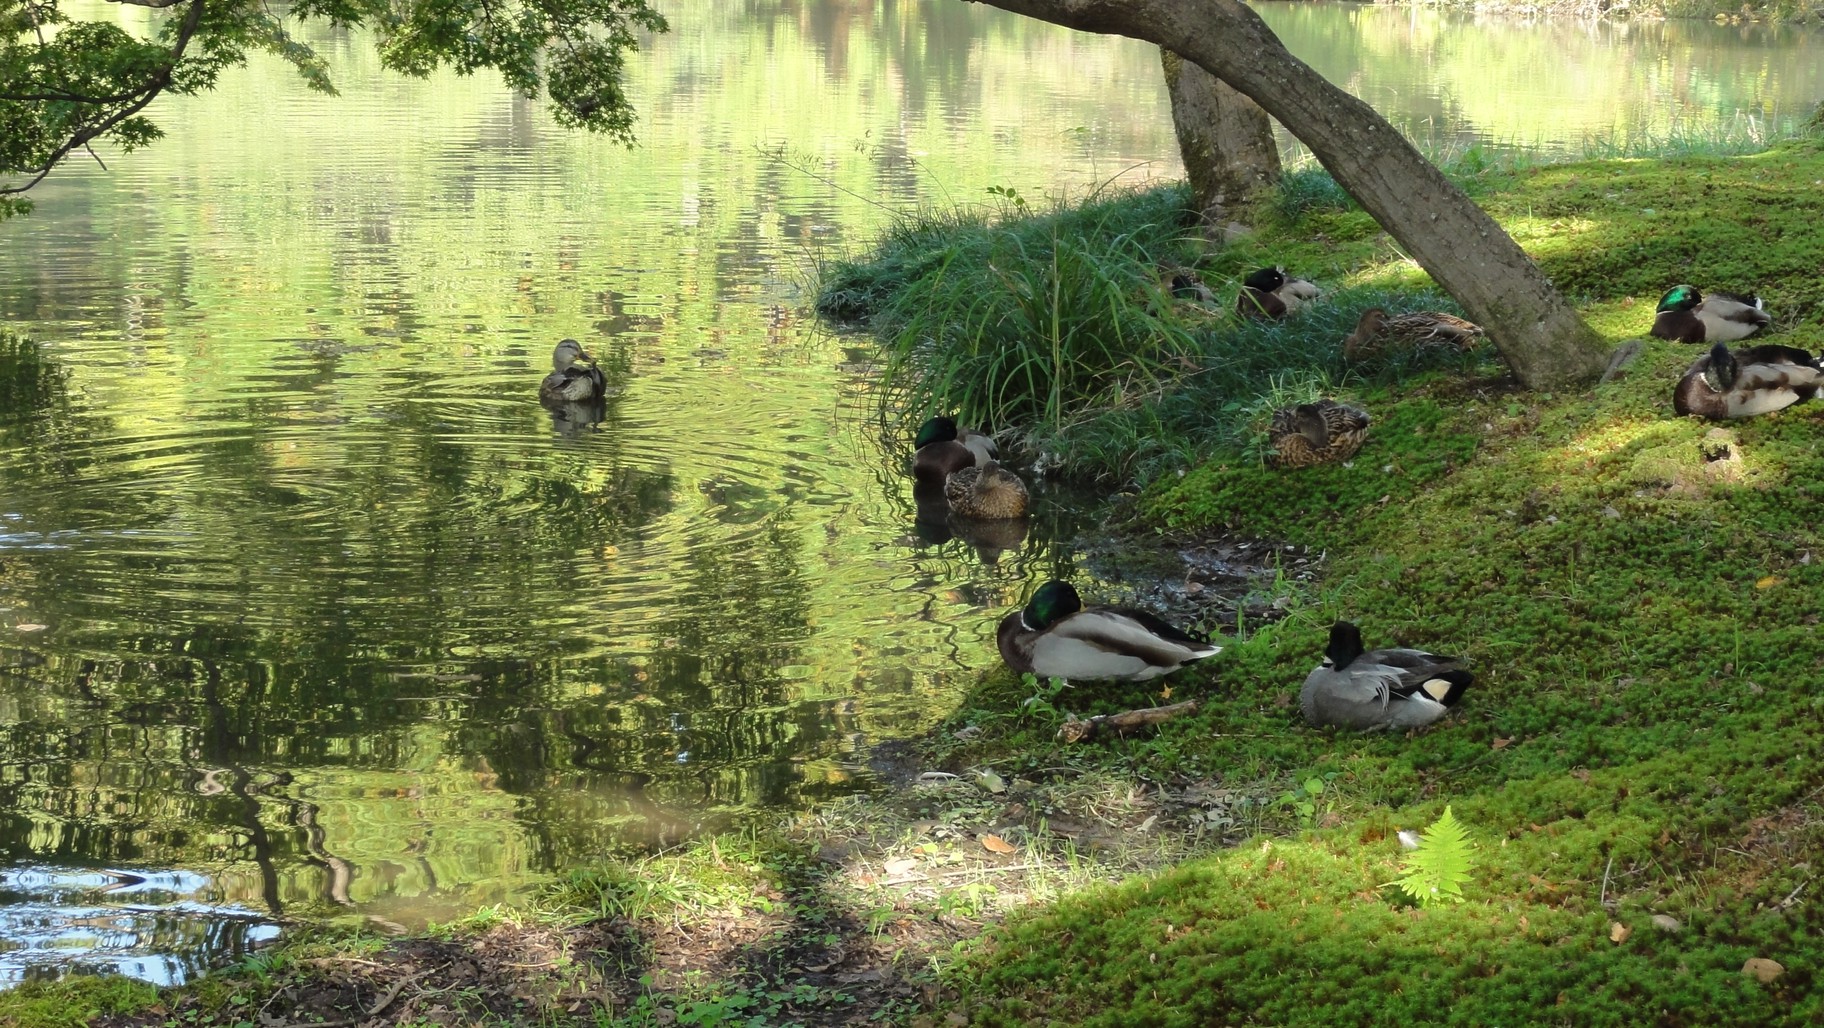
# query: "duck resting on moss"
1270,294
944,449
1421,328
1055,636
1688,316
1754,380
1375,690
1315,433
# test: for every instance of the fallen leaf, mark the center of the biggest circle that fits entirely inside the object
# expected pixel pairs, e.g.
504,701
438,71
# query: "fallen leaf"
31,628
1500,744
1619,932
991,781
1767,583
998,844
895,868
1762,970
1165,693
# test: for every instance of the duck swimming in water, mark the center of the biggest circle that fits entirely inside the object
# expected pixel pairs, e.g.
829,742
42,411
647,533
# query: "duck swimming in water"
944,449
988,493
570,381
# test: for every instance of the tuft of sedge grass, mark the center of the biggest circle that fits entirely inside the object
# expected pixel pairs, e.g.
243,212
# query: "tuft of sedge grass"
1034,318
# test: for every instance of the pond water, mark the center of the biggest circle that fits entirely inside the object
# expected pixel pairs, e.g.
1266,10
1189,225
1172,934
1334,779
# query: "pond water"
308,607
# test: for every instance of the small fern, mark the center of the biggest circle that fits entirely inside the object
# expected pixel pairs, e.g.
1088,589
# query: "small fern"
1436,871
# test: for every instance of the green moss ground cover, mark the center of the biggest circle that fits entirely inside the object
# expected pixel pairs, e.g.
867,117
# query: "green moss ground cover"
1644,738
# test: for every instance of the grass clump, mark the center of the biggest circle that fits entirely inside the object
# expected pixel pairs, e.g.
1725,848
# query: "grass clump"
1027,319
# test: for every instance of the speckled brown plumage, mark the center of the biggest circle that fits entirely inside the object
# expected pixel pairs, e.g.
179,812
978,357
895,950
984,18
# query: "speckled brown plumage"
1316,433
989,492
1421,328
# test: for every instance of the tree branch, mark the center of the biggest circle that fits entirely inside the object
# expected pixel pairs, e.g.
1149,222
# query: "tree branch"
146,94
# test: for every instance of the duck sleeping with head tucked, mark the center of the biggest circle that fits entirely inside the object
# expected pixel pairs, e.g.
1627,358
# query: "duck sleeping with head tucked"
1055,636
1742,383
944,449
1688,316
1315,433
574,378
1375,690
1271,294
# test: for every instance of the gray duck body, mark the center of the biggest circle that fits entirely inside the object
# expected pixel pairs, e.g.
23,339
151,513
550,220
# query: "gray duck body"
1725,384
1377,690
1055,636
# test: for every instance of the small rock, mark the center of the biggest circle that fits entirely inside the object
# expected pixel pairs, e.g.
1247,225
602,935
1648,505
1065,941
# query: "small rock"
1762,970
1666,923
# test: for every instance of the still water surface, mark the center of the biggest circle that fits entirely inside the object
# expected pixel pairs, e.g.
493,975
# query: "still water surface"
306,606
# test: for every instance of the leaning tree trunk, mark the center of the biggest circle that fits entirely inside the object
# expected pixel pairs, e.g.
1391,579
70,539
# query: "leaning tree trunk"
1226,140
1536,331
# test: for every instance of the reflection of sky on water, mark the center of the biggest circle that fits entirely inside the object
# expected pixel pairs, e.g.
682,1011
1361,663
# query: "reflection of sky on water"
162,926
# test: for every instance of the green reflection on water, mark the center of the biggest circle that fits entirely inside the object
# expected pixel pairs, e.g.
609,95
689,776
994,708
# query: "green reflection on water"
335,611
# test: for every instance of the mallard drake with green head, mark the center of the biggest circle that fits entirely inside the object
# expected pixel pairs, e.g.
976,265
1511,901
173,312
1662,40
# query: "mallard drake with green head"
1754,380
944,449
1379,689
1315,433
1421,328
1269,293
571,379
989,492
1055,636
1688,316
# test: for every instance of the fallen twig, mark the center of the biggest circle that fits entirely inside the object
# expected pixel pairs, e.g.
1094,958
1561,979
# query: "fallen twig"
1604,898
373,1011
1793,896
1083,731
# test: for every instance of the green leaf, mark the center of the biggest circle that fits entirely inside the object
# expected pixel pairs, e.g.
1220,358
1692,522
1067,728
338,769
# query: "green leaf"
1436,871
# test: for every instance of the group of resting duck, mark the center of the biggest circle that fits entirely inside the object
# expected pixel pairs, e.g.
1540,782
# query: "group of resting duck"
1726,383
1055,636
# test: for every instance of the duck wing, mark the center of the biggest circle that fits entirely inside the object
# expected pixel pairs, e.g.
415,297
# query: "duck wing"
1258,303
1111,642
1765,388
1406,672
1774,353
1725,320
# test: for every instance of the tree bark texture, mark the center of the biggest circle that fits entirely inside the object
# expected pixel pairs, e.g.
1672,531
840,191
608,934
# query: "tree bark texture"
1540,336
1226,140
